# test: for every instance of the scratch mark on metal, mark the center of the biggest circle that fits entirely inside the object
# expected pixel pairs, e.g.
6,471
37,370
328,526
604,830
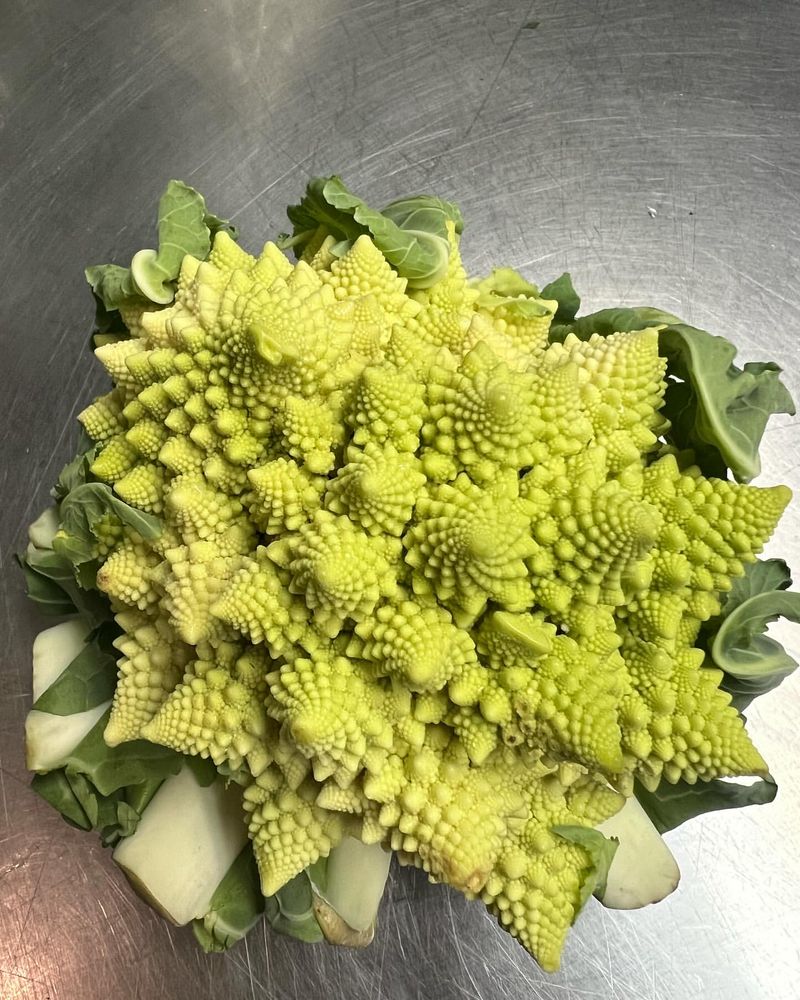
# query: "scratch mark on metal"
499,72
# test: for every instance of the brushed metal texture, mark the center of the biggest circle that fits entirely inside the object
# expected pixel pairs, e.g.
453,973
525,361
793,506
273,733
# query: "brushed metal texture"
651,148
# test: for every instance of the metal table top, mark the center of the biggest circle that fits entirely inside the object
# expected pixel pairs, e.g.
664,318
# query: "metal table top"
652,148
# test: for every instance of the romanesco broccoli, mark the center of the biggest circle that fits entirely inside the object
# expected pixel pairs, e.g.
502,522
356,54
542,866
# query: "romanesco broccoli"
423,577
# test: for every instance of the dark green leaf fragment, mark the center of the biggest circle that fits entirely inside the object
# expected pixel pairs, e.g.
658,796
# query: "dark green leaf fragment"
113,768
51,582
215,225
86,682
236,906
48,594
54,787
563,291
411,232
760,577
107,788
670,805
203,768
753,662
112,286
182,230
291,910
76,471
83,508
727,409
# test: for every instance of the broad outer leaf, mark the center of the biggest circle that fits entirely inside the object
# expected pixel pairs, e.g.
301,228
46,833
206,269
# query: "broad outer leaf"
112,285
112,768
182,230
753,661
418,254
617,320
730,406
424,213
717,411
236,906
185,226
115,815
51,582
76,471
137,796
563,291
671,805
45,591
314,210
80,511
601,851
291,910
86,682
759,577
411,233
55,788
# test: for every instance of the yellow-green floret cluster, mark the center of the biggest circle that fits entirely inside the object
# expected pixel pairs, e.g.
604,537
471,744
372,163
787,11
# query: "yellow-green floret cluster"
423,577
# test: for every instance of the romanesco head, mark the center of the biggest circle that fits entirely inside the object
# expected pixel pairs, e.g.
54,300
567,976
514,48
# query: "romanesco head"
421,577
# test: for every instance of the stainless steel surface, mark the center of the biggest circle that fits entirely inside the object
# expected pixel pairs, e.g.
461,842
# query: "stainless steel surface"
652,148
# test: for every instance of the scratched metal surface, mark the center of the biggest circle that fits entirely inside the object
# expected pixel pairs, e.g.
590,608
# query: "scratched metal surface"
652,148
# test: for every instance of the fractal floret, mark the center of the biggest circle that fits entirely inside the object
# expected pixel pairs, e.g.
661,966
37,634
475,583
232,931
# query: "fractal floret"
427,569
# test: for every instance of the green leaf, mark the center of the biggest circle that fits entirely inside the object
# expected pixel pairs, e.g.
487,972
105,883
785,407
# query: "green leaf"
122,824
76,471
50,581
563,291
86,682
182,230
314,211
108,325
83,508
72,793
55,788
618,320
112,768
217,225
670,805
203,768
111,285
753,662
424,213
185,226
291,910
601,851
761,577
726,408
46,592
411,233
236,906
139,795
717,411
87,796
